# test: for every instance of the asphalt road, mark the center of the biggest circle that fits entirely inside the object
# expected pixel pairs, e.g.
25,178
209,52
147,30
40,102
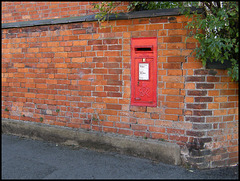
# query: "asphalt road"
32,159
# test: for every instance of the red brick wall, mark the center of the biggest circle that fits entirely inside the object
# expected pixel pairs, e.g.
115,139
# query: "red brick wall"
13,11
212,107
78,75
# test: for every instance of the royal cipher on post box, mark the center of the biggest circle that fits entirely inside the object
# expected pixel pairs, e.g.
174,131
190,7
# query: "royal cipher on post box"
144,71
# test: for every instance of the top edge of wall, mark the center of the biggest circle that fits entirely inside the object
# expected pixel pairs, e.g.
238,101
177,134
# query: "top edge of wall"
88,18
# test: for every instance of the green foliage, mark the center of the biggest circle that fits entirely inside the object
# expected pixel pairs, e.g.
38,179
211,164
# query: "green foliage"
6,109
105,9
151,5
220,40
57,110
41,119
94,119
216,29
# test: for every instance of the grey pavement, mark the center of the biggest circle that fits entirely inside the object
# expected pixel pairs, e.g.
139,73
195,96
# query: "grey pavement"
33,159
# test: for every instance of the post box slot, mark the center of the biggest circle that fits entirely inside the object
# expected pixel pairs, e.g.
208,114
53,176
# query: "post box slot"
141,49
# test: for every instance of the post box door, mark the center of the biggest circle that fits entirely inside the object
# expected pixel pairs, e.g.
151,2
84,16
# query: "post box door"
144,72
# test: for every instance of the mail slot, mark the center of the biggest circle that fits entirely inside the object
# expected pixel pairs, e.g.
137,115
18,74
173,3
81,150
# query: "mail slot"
144,71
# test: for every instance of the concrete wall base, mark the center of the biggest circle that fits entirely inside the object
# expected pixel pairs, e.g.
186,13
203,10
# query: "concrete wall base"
152,149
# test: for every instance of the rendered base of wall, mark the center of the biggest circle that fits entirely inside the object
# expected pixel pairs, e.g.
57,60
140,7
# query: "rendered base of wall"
155,150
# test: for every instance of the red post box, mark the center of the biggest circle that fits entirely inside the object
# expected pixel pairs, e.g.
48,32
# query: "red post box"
144,71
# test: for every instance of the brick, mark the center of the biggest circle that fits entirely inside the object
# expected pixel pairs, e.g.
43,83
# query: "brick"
78,60
114,82
213,92
62,54
196,93
77,49
99,59
175,85
228,118
159,136
154,115
88,54
111,88
220,99
175,131
191,45
158,20
136,28
213,105
110,41
115,47
176,46
41,86
195,79
196,106
115,71
172,39
125,132
52,44
60,65
175,98
171,65
154,27
232,98
171,117
123,22
226,79
95,42
119,29
173,26
80,43
173,111
111,65
157,129
173,79
177,32
100,71
30,95
227,105
202,113
114,106
138,108
227,92
170,91
192,65
196,119
171,52
200,72
150,33
102,47
204,86
84,37
138,127
195,133
202,126
114,94
171,104
111,53
190,86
